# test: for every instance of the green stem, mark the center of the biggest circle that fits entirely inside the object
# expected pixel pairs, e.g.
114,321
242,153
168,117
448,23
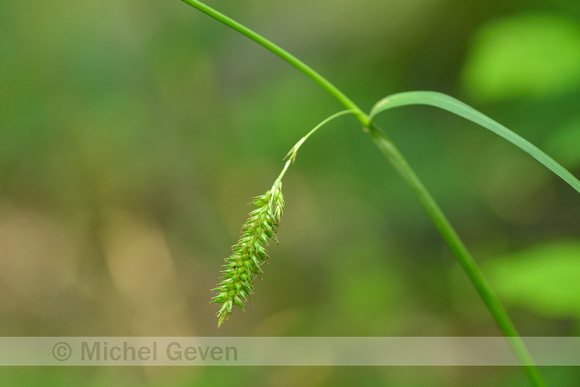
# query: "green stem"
294,150
398,161
325,84
459,250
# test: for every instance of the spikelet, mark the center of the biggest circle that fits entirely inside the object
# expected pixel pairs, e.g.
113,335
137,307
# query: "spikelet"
237,275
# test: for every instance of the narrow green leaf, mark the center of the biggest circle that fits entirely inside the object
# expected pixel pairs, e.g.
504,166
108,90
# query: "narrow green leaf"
454,106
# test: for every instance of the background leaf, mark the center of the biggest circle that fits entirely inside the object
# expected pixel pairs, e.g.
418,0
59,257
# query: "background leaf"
542,278
533,54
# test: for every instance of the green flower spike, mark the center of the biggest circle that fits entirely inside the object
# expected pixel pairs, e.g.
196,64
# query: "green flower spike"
237,275
250,252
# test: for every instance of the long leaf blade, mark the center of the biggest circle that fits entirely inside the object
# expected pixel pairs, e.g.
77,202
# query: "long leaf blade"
443,101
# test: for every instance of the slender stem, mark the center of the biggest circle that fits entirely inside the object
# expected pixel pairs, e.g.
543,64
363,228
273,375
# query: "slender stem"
459,250
401,165
284,170
294,150
325,84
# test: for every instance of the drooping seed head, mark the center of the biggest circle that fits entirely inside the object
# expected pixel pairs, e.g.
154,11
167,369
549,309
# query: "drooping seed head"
249,253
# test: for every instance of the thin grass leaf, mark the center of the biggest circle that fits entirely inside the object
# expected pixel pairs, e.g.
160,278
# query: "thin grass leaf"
454,106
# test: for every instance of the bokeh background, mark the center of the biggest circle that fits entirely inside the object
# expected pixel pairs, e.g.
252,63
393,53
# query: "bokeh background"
134,133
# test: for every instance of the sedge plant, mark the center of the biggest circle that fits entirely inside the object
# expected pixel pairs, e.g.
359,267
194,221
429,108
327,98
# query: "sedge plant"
249,253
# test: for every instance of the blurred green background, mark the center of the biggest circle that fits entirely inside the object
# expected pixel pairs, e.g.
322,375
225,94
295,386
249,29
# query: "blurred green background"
133,133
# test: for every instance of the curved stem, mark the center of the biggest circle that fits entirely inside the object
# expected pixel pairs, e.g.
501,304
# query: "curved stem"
404,169
291,156
274,48
294,150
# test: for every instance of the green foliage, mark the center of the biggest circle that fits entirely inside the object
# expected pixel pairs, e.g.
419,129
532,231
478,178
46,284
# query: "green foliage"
543,278
532,54
234,287
137,107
